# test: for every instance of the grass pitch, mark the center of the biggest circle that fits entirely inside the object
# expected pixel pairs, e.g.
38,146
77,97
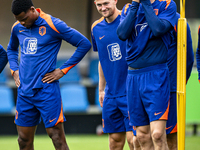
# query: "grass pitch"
81,142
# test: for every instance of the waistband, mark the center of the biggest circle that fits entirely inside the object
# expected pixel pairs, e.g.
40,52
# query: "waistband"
146,69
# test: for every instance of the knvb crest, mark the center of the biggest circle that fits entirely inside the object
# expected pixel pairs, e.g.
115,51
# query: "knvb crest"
30,46
114,52
42,30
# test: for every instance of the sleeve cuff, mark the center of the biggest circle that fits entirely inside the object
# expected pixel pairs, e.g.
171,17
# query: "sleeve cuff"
12,72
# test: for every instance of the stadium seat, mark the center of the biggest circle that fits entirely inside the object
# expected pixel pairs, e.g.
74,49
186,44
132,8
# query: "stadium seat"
74,98
6,100
93,70
72,76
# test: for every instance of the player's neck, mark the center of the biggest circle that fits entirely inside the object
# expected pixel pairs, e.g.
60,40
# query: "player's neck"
113,17
37,14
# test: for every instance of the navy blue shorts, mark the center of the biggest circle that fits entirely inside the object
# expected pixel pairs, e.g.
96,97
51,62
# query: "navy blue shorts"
115,115
148,94
45,104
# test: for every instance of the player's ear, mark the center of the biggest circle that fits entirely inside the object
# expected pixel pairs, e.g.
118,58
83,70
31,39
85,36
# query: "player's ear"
94,2
32,9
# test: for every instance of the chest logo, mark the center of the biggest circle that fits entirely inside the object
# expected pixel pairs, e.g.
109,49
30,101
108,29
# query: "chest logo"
140,27
114,52
101,37
42,30
29,46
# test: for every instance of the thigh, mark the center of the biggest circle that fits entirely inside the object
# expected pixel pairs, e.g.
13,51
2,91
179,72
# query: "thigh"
48,101
113,119
143,130
158,126
171,126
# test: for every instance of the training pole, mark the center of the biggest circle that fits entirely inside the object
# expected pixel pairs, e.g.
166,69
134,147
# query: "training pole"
181,75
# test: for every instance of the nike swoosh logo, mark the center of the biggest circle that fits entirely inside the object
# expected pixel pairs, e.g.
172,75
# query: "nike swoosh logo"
21,31
101,37
52,120
157,113
168,127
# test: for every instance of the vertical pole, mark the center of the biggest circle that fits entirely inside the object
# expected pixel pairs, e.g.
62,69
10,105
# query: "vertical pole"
181,75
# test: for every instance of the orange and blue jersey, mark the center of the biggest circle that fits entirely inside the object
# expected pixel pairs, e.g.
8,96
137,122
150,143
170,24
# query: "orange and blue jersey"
3,58
198,55
40,45
146,27
112,53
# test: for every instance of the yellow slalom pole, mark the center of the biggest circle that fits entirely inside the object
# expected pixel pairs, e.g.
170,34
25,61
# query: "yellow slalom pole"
181,76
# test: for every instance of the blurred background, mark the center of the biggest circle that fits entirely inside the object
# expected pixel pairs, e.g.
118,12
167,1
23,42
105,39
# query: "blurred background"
79,87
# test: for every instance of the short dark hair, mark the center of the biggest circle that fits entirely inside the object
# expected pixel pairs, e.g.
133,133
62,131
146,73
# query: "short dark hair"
19,6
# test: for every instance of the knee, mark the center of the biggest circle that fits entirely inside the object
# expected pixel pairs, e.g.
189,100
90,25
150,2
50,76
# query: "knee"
113,144
158,136
143,137
116,141
25,143
56,140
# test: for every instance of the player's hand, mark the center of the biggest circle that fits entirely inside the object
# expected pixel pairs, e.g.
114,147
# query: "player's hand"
16,78
52,76
101,98
138,1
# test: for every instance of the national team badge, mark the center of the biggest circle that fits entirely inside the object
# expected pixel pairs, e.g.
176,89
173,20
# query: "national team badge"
42,30
114,52
29,46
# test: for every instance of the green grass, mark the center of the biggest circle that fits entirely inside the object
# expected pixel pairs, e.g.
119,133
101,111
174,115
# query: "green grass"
75,142
192,99
81,142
